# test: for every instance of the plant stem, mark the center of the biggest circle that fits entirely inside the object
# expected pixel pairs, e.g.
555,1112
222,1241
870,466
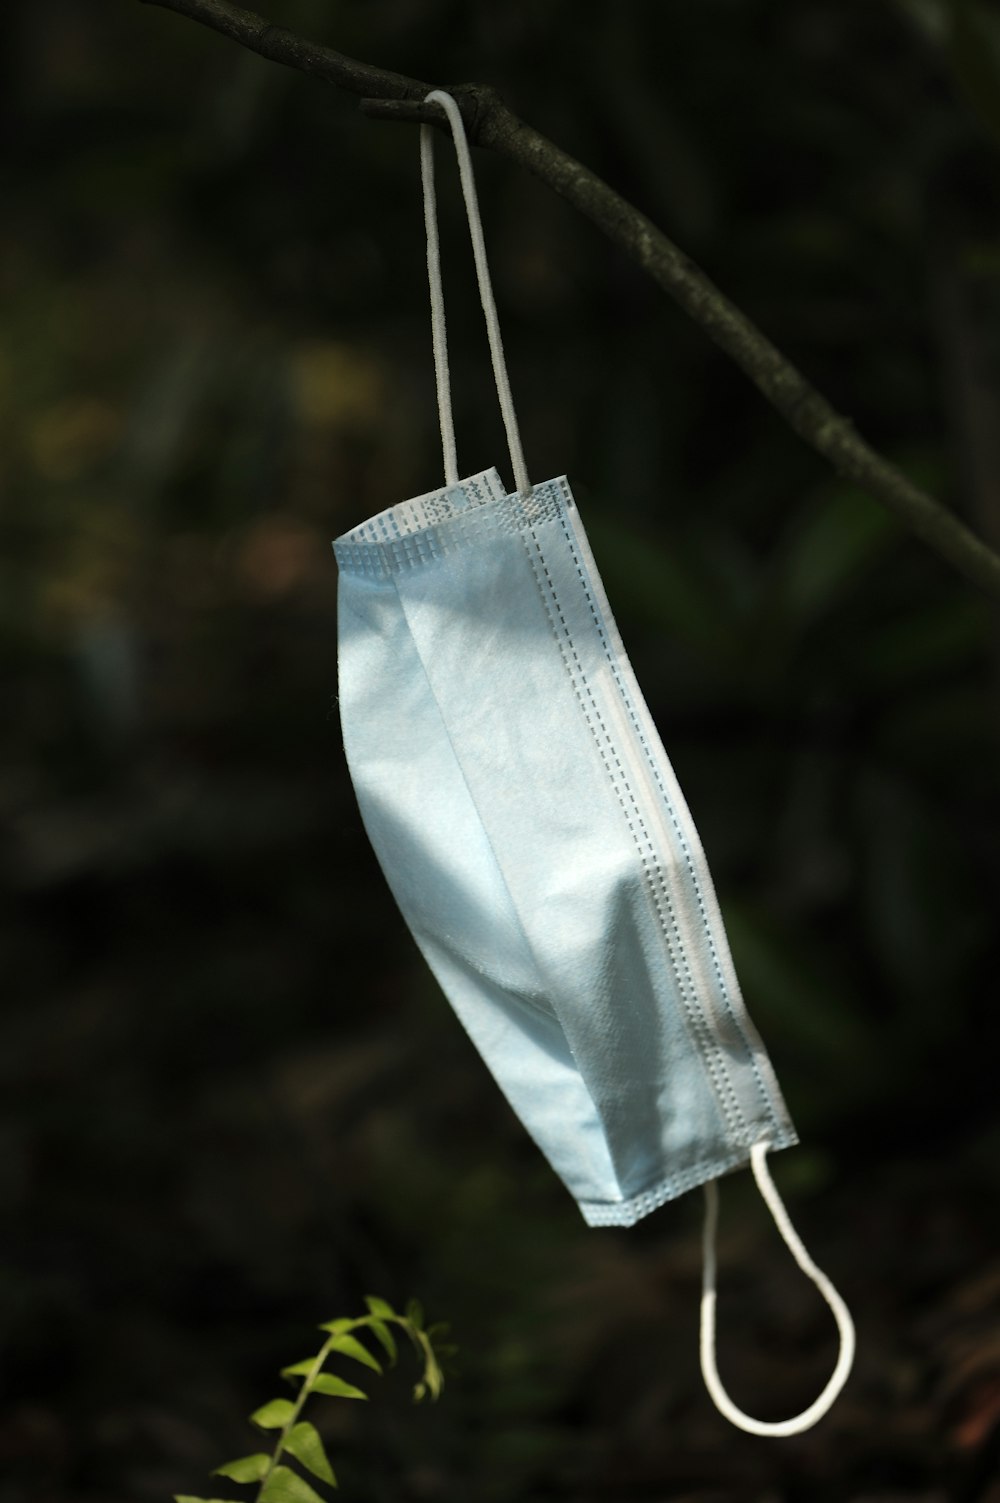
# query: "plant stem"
293,1418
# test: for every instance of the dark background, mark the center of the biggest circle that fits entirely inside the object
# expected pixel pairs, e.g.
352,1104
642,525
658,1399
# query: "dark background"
233,1099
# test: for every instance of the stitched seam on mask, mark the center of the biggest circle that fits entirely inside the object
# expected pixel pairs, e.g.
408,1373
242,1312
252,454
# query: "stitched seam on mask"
707,1047
375,545
407,536
668,1188
688,856
685,848
656,877
627,1212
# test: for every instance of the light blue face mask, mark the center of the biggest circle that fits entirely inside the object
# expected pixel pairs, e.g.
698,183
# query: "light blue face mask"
533,834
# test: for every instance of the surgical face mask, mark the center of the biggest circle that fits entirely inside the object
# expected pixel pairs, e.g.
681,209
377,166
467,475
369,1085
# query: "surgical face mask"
532,831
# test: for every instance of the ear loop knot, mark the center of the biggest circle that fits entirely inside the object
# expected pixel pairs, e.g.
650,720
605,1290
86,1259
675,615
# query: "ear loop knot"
438,330
841,1314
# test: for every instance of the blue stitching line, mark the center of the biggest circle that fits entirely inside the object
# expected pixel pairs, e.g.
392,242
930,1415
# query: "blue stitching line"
651,762
654,876
627,1212
392,550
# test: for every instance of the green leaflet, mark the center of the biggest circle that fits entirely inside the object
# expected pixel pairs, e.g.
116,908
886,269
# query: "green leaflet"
304,1443
384,1336
431,1383
349,1346
415,1314
286,1486
433,1379
380,1307
301,1439
246,1469
187,1498
273,1415
336,1387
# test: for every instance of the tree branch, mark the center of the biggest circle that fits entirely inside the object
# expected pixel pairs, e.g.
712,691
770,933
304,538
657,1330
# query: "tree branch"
491,124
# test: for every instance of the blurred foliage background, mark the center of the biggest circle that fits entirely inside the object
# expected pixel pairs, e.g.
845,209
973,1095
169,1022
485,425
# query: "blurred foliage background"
233,1100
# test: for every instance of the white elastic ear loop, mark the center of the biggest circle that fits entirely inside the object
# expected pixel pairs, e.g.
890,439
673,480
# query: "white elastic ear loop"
438,331
521,481
841,1314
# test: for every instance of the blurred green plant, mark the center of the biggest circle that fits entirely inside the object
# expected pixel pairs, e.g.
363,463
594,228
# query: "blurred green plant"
300,1439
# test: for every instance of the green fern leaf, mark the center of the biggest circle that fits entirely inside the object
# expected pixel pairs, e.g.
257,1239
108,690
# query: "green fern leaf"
337,1388
435,1380
415,1314
305,1445
246,1469
299,1369
380,1307
273,1415
286,1486
187,1498
335,1327
385,1338
349,1346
